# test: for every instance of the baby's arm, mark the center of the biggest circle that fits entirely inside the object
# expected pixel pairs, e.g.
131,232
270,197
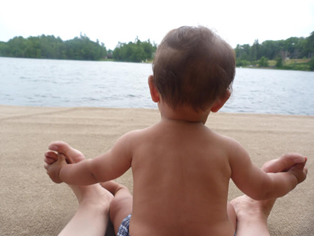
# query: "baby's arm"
260,185
108,166
283,163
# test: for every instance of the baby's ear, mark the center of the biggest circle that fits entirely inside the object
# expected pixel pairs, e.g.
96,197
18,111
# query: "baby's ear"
153,90
220,102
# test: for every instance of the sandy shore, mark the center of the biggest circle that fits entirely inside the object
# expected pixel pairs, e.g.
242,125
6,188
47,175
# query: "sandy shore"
32,205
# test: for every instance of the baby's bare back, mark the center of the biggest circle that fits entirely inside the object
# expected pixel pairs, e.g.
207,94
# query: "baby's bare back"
181,174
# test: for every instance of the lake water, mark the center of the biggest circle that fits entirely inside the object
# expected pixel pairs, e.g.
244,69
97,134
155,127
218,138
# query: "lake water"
63,83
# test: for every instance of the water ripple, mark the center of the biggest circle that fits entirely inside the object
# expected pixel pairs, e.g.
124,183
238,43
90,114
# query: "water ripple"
61,83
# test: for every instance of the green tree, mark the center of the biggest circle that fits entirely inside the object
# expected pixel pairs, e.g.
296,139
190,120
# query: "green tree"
292,47
255,51
16,47
136,51
84,49
311,64
263,62
240,63
51,47
3,49
309,45
279,63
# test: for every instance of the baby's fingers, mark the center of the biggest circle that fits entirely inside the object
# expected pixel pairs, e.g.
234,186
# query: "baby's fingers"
50,157
54,169
284,163
299,171
295,158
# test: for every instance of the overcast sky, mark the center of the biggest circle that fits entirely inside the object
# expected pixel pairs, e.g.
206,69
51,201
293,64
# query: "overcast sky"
237,21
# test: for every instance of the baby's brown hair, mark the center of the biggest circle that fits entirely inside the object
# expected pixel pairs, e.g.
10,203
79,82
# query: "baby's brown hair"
193,66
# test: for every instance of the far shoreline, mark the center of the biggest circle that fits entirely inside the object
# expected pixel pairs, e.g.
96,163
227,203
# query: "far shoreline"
149,62
270,68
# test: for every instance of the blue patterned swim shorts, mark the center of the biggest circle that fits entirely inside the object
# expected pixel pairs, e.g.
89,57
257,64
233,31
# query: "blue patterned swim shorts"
124,227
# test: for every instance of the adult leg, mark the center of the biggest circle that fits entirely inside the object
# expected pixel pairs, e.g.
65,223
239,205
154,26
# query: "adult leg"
92,216
252,215
232,215
121,205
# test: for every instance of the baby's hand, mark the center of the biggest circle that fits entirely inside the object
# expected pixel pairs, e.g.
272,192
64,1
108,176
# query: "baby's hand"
284,163
299,171
292,163
53,170
72,155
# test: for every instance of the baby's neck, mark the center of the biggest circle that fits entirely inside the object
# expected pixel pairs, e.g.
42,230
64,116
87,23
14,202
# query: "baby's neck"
182,114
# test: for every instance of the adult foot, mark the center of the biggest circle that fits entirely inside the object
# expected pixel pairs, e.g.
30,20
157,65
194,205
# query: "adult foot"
245,207
94,194
252,215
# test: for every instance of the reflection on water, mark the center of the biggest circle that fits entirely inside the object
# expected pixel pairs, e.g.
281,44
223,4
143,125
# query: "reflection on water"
41,82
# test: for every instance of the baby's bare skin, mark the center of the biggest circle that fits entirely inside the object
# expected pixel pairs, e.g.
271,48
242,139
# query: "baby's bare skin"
176,188
174,177
251,215
181,173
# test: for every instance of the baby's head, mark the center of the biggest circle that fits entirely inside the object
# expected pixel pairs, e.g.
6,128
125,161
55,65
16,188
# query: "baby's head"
193,67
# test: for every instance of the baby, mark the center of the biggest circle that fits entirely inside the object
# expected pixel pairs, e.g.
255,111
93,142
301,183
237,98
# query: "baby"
181,169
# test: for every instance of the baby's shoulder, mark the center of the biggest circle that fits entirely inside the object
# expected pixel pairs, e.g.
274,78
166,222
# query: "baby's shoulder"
225,141
138,134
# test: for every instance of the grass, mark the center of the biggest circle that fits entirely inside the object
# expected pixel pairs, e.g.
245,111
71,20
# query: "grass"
272,63
296,61
289,64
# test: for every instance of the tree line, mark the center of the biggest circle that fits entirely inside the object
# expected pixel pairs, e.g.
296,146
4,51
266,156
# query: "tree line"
82,48
280,50
79,48
136,51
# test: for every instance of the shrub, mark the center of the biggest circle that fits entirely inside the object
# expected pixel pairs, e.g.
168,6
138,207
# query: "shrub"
311,64
263,62
279,63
